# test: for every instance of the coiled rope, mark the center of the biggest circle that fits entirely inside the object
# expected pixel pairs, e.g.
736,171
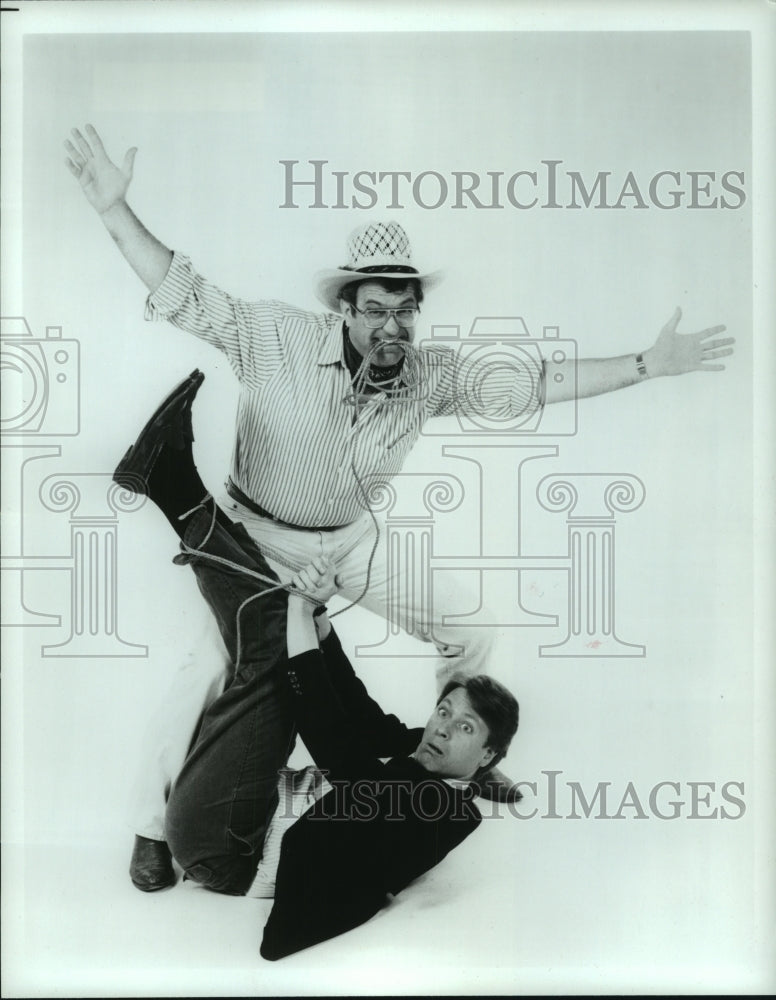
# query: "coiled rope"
409,387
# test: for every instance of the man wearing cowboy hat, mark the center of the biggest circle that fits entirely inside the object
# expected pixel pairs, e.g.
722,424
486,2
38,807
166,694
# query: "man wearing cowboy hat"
331,403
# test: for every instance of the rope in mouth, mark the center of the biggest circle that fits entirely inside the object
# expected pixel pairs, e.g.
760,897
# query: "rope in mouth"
403,382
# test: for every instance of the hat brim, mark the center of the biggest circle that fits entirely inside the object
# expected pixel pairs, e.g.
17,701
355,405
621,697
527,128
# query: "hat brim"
328,284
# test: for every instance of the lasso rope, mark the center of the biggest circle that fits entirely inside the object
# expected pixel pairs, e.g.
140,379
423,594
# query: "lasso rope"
197,551
409,385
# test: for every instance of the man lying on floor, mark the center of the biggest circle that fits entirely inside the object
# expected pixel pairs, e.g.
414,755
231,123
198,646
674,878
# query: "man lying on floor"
374,826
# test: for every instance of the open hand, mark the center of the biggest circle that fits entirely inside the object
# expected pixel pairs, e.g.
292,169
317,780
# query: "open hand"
676,353
317,580
103,183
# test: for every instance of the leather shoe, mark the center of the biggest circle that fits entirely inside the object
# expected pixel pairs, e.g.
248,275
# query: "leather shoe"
170,424
151,865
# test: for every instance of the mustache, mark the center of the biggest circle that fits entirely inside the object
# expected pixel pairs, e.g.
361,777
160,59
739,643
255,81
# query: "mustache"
377,346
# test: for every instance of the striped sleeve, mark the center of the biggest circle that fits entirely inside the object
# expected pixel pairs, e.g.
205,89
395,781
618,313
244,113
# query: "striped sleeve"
297,791
191,303
493,385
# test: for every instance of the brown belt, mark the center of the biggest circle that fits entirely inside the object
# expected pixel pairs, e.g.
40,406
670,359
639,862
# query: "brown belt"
237,494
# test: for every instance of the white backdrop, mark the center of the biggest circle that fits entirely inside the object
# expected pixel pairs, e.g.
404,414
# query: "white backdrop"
213,113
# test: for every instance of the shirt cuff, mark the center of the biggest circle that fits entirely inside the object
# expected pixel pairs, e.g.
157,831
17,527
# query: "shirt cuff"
173,291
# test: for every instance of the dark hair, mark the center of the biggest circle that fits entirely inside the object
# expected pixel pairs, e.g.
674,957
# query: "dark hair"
495,705
349,292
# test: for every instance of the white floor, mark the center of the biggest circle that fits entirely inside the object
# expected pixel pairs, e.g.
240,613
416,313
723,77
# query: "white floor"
522,906
628,906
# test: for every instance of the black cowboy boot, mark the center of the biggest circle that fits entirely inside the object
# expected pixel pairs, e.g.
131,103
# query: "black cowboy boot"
151,865
170,425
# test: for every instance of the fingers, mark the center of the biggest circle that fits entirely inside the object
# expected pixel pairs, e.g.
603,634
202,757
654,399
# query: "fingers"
314,575
721,342
72,167
83,145
302,581
75,155
322,565
129,161
95,139
672,324
713,349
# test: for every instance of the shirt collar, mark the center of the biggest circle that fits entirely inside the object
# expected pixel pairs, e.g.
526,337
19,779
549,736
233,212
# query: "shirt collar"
332,350
461,783
457,783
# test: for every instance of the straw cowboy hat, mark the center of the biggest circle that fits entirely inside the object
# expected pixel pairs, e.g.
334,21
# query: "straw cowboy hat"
379,249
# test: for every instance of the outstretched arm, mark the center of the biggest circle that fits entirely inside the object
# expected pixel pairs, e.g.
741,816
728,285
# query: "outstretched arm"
672,354
105,187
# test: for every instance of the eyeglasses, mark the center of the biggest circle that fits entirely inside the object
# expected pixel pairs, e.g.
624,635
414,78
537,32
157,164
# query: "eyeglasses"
375,318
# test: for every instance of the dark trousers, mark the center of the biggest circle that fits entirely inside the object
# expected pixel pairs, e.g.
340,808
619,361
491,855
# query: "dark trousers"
222,801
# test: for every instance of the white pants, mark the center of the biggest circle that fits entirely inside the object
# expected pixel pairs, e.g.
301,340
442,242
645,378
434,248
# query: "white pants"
200,679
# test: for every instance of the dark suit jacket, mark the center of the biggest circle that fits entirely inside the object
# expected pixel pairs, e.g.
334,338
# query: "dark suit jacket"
381,826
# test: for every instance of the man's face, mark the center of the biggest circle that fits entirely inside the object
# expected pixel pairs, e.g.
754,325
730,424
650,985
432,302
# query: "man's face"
370,295
453,744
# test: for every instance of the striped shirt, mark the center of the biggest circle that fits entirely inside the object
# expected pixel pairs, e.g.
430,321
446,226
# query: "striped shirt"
301,451
297,790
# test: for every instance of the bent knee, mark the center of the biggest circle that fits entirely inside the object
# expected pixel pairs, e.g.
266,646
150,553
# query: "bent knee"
224,874
208,851
209,864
